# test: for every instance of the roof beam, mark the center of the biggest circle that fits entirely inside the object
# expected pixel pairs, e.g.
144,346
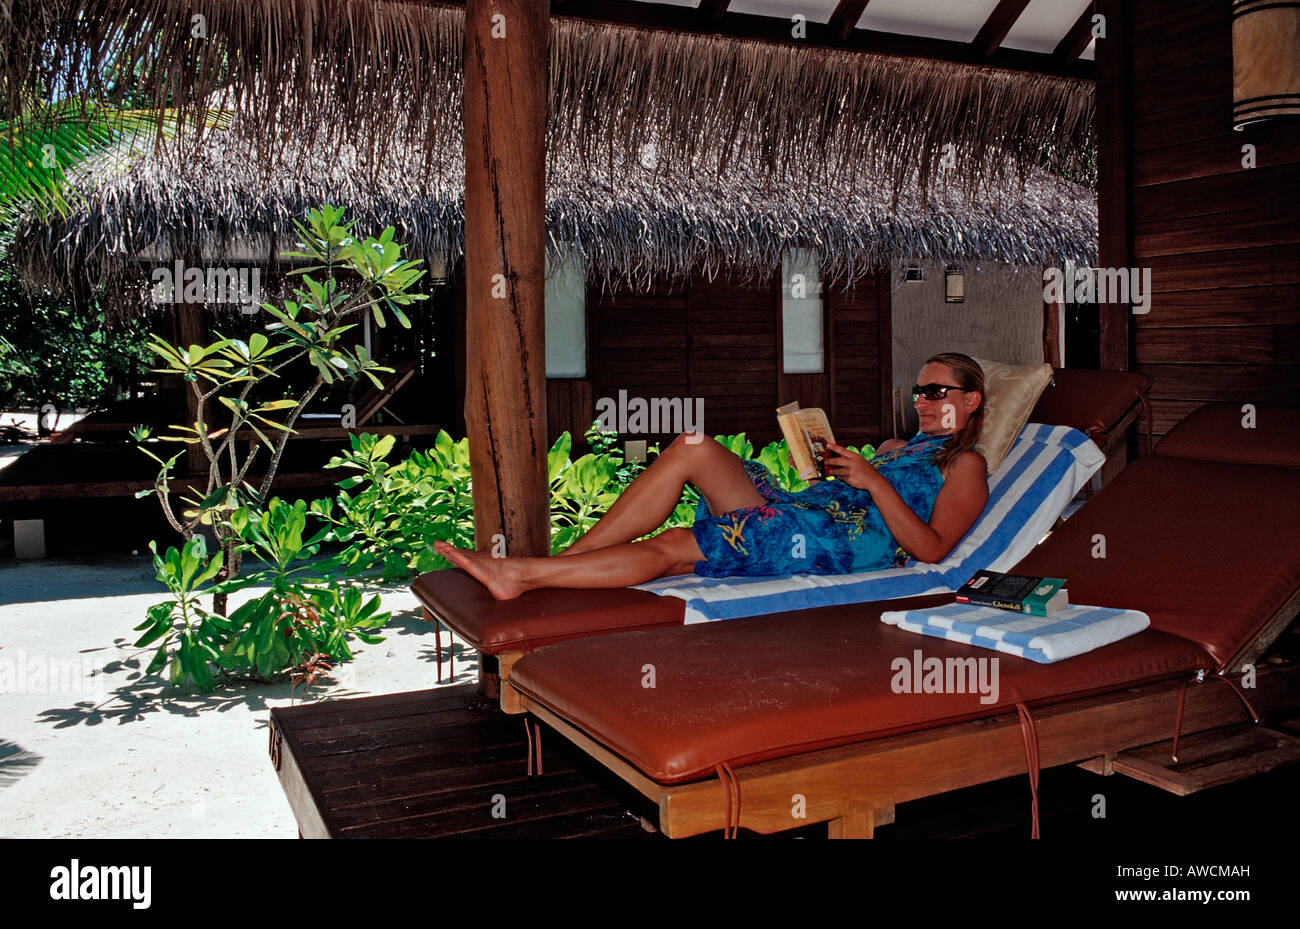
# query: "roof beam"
845,18
997,26
777,29
1077,39
712,10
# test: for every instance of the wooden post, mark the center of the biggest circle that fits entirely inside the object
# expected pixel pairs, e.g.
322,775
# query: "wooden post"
191,331
505,391
1052,313
1114,174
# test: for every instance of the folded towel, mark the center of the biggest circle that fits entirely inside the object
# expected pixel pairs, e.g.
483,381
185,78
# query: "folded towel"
1066,633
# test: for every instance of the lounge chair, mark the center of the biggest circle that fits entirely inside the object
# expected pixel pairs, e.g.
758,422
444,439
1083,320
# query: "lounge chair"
788,719
1045,469
1027,493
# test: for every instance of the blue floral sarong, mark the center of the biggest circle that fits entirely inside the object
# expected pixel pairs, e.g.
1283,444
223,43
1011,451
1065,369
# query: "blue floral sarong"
829,528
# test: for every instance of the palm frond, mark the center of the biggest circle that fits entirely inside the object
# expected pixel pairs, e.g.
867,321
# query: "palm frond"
44,152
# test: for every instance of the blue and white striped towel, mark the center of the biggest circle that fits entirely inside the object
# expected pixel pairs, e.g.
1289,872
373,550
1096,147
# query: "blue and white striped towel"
1045,639
1046,467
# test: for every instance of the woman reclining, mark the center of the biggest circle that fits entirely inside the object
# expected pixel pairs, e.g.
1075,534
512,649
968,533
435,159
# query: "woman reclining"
913,500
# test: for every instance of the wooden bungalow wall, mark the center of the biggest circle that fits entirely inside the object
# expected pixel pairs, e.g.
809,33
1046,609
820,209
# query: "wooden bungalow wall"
1222,241
720,341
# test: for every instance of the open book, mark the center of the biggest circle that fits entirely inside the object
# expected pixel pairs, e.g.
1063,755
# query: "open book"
808,434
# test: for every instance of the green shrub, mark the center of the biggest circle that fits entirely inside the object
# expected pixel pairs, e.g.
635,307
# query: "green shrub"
389,515
303,617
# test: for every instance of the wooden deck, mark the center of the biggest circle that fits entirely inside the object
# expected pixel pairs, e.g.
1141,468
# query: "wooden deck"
435,763
439,763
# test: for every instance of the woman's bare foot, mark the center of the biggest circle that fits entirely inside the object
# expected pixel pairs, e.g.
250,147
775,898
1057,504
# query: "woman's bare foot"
501,576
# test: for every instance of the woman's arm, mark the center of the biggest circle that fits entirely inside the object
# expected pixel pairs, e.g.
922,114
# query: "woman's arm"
960,501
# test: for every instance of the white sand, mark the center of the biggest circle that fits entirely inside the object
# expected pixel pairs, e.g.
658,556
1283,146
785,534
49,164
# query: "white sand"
89,747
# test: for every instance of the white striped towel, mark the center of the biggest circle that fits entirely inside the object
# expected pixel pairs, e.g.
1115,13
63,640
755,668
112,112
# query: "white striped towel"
1066,633
1045,469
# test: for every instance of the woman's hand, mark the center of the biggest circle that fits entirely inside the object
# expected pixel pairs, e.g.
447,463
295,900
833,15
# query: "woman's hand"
852,469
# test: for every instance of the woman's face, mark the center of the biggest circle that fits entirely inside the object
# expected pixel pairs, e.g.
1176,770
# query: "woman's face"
949,414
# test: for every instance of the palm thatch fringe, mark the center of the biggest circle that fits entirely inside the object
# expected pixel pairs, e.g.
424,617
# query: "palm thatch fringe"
382,70
644,217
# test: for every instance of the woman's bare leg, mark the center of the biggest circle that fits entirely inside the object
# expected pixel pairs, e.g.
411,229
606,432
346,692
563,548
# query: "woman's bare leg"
673,551
650,499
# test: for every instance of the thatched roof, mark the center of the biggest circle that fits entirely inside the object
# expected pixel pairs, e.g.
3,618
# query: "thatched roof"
380,70
642,217
757,147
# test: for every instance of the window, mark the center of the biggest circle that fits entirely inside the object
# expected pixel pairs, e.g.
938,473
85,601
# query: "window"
801,312
566,316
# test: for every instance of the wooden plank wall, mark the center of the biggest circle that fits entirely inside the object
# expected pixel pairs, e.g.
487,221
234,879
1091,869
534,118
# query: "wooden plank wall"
637,342
570,407
861,359
1222,241
734,365
720,341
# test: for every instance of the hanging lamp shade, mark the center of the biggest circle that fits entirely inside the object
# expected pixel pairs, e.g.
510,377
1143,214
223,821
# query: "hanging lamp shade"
1265,61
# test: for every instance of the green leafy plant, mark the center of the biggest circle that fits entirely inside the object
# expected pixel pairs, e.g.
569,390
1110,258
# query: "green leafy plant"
581,490
303,617
192,638
389,515
243,382
51,144
60,351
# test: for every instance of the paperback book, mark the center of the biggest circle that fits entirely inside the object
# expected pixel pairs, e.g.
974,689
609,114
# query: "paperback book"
1038,596
808,435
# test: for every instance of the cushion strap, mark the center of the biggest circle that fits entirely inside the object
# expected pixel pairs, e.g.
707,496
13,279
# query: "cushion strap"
1030,734
533,735
1182,693
732,785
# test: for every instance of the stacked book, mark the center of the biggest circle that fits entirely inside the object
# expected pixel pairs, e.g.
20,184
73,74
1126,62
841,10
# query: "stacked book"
1037,596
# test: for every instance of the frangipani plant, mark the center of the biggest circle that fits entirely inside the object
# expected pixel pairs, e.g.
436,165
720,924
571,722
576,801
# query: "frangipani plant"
244,381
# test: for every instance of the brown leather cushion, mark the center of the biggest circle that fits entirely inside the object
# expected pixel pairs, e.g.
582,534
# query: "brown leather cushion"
1208,550
1215,433
539,617
784,684
1090,401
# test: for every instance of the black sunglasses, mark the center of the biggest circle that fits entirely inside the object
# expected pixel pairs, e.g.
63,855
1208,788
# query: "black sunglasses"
932,391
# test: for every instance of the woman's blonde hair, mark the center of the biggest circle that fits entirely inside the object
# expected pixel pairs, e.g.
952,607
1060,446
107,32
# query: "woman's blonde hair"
968,375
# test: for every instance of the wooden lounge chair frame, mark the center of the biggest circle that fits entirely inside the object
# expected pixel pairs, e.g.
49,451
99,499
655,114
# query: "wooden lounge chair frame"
854,788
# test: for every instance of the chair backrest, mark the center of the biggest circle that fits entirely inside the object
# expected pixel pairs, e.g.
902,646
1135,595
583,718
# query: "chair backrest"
1046,467
1255,433
373,399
